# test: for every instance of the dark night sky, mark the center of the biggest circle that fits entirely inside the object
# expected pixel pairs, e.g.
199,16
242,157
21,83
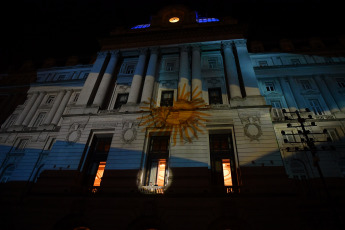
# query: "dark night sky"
38,29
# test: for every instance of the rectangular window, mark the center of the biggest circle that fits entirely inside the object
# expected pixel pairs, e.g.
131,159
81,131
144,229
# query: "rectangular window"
39,119
61,77
315,106
212,63
295,61
121,100
215,96
333,134
269,86
12,120
263,63
96,161
129,69
341,82
50,99
277,109
305,84
169,66
167,98
156,166
76,96
223,166
22,144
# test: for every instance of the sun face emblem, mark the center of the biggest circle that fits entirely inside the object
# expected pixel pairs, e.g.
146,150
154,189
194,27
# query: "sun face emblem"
183,118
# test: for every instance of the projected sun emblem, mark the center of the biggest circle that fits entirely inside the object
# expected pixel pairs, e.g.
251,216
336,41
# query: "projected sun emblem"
183,118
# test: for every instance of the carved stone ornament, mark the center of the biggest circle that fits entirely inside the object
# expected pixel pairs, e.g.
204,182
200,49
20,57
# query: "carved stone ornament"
73,136
253,131
74,133
129,135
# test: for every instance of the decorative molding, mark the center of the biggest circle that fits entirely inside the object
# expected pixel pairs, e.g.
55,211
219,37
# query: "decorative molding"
252,128
240,43
129,135
143,51
184,48
154,50
114,53
102,54
253,131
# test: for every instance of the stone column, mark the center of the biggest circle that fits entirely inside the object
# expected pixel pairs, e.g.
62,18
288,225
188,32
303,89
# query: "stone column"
289,97
231,71
333,88
106,79
91,80
62,107
137,78
184,80
27,108
33,108
54,108
296,92
326,94
150,76
196,72
247,70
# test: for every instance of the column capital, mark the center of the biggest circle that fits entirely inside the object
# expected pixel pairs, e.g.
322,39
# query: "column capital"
240,42
102,53
227,44
184,48
196,47
154,50
115,53
143,51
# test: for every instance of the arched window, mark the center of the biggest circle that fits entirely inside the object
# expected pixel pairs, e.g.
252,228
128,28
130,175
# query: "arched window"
6,174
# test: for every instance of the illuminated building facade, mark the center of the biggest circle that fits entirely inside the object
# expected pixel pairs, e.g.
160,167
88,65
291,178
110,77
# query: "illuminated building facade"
176,126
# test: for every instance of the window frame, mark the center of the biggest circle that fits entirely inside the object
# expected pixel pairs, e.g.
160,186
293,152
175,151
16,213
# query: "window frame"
212,100
269,86
314,107
217,157
167,102
118,102
156,156
305,83
39,119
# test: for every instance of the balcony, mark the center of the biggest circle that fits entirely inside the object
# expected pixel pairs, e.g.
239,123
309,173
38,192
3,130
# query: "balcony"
152,189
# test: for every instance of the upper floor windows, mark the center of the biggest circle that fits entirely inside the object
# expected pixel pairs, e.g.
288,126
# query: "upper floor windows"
167,98
76,97
295,61
21,144
121,100
39,119
212,63
130,69
215,96
315,106
50,99
305,84
341,82
262,63
12,120
169,66
269,86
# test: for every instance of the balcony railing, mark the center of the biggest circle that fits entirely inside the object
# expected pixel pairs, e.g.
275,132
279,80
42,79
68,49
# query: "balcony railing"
152,189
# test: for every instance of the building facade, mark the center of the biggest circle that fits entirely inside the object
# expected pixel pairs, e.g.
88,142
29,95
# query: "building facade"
176,125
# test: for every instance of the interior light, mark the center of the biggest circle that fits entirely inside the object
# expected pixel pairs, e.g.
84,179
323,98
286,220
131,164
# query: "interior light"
174,19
